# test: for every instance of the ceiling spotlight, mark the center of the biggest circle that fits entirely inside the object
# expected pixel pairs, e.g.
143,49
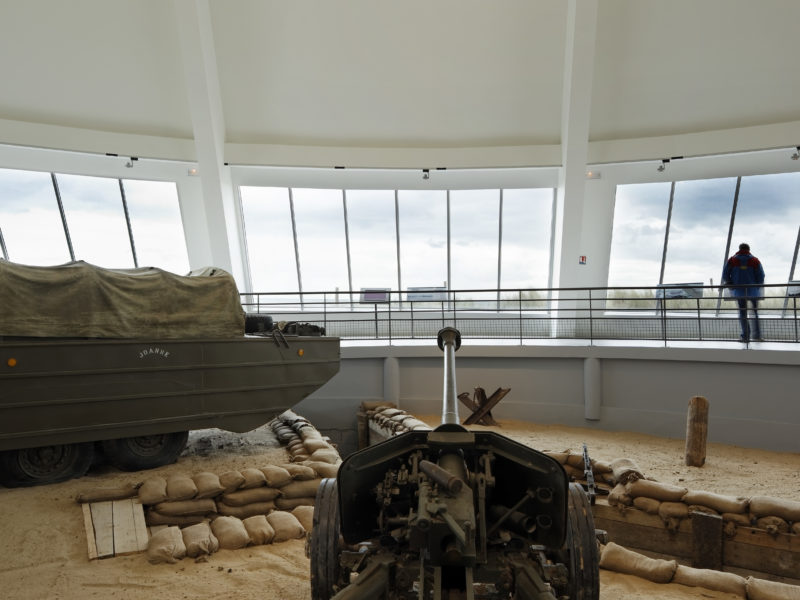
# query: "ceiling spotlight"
796,155
133,159
663,165
426,173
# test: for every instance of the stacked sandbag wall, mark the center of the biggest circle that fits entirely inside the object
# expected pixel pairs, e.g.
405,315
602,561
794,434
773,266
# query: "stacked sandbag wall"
251,506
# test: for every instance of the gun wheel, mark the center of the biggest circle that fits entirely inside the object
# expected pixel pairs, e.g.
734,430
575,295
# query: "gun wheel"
582,557
324,544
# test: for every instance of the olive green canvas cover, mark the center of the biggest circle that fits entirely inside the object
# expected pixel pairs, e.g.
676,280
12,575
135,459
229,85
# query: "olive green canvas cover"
81,300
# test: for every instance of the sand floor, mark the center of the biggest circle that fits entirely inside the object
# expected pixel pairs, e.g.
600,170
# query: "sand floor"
44,554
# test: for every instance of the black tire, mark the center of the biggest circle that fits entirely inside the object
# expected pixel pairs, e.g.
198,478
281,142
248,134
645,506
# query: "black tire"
257,323
581,556
324,544
145,452
46,464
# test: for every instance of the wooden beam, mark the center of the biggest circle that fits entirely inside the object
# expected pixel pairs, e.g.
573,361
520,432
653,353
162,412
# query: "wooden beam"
88,526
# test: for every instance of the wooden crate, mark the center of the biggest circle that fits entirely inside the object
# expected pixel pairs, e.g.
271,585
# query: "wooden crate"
114,528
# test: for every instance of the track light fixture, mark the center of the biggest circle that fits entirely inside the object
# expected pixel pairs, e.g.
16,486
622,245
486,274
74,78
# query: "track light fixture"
426,173
133,159
663,165
796,155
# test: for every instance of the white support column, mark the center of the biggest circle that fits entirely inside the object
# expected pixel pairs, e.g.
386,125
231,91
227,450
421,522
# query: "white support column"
216,207
575,114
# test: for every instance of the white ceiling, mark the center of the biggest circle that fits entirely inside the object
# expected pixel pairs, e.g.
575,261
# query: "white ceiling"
381,83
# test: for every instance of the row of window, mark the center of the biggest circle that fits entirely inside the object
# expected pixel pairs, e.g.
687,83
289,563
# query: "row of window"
323,240
301,239
678,233
49,219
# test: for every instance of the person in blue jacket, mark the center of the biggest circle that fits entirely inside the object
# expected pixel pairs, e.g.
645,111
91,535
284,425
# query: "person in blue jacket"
744,274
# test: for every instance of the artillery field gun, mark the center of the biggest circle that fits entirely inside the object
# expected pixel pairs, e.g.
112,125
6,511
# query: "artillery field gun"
452,513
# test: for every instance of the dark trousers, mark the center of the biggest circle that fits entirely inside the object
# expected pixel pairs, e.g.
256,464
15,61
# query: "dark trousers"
742,302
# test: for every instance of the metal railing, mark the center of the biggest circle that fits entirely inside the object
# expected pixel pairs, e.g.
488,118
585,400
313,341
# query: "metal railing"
673,312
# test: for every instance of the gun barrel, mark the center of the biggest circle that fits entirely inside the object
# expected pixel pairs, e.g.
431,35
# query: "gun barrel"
449,340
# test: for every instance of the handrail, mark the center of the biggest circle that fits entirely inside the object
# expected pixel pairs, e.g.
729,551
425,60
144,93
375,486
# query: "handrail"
701,313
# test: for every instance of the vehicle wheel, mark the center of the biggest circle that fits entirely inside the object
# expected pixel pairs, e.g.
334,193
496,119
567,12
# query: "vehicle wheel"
581,556
324,544
146,451
47,464
257,323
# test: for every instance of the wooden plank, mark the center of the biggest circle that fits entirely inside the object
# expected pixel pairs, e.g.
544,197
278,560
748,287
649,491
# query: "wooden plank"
103,522
124,526
142,537
89,527
706,541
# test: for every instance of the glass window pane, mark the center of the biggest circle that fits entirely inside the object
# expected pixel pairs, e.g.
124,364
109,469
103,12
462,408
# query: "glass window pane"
474,216
270,245
701,215
637,237
156,224
319,215
525,253
30,220
96,220
767,218
373,239
423,237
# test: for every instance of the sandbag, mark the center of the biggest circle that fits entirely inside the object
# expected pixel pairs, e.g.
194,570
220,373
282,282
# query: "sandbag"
673,510
199,540
300,457
166,546
230,532
717,581
737,519
761,589
259,530
619,497
561,457
153,517
314,444
153,490
286,526
208,485
129,490
764,506
693,508
655,489
187,507
248,510
575,461
275,476
328,455
231,480
773,525
600,466
617,558
719,502
323,469
304,514
300,489
180,487
244,497
291,503
648,505
625,470
796,528
300,472
253,478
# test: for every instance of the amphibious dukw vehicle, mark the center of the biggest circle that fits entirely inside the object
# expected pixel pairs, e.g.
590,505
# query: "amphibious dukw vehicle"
452,513
125,362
